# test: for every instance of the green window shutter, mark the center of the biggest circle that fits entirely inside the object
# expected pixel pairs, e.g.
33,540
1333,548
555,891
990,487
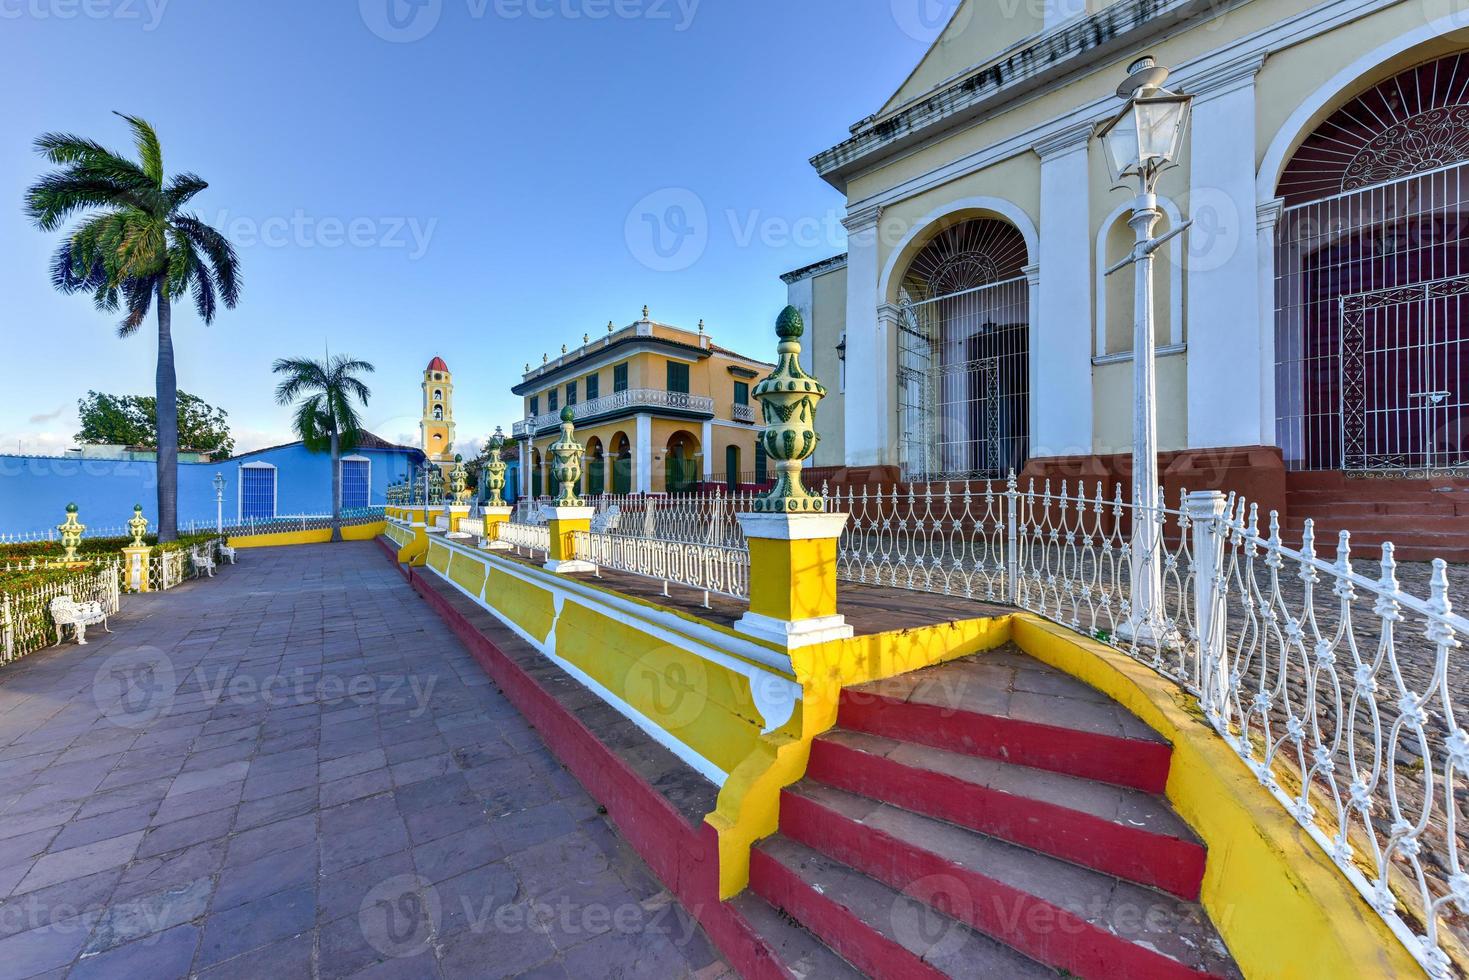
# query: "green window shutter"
741,393
619,378
678,377
594,387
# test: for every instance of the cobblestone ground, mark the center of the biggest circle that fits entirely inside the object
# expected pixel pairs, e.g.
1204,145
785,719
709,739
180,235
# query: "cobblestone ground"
295,770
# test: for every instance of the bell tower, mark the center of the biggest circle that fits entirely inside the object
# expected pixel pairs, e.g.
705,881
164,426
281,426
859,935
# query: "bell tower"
437,424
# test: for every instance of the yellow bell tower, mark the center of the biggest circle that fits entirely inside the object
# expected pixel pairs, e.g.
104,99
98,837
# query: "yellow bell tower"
437,425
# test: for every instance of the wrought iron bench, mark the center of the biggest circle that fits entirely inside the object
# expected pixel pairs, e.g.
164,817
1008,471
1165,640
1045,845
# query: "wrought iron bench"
226,553
607,520
66,611
202,562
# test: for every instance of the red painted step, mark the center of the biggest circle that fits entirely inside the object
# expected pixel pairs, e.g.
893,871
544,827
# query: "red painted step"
789,949
880,930
1067,917
1035,717
1114,829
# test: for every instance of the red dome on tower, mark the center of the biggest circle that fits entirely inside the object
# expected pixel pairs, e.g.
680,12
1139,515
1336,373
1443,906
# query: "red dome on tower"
437,364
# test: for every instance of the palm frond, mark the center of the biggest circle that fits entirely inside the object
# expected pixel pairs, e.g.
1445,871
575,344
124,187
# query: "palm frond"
219,251
149,150
183,187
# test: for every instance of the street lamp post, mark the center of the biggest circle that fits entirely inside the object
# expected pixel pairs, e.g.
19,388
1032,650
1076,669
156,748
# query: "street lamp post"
1141,142
219,503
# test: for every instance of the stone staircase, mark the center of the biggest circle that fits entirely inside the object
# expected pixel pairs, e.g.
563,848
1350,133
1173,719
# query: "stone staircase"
990,817
1423,518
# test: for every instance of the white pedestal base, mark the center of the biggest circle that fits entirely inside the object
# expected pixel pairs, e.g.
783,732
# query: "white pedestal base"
799,633
567,567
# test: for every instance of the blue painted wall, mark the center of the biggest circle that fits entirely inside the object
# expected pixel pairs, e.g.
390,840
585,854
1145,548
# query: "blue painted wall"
34,490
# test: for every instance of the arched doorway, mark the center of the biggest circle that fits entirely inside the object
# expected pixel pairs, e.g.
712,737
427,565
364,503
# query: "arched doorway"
621,463
964,353
1372,287
596,467
680,463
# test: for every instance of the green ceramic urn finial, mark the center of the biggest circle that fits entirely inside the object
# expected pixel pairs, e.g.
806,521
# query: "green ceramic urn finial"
71,532
788,399
566,455
138,526
495,470
459,481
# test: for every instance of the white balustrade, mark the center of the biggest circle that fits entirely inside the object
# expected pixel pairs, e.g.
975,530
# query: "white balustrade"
632,398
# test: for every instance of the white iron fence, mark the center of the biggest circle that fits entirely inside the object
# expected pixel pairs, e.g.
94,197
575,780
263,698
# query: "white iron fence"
25,614
708,568
534,539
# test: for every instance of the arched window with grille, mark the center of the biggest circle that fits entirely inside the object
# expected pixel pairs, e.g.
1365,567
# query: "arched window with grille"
964,353
1372,287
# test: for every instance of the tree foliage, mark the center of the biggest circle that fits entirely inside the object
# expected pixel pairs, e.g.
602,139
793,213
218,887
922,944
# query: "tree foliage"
132,420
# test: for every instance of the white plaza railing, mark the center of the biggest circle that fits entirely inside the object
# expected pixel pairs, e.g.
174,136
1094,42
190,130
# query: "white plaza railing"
534,539
707,568
653,398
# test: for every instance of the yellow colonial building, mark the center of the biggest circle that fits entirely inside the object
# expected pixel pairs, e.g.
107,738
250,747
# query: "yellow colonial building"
1309,324
659,409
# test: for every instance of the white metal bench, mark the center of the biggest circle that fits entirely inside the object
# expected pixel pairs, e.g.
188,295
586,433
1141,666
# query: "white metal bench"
227,553
66,611
202,562
607,520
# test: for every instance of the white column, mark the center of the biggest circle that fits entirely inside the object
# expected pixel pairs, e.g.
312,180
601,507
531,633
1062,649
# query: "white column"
1267,216
643,455
523,478
1061,323
706,438
868,367
1225,404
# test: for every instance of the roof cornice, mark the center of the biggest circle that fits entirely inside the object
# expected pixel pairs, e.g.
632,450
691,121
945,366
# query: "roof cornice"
1071,48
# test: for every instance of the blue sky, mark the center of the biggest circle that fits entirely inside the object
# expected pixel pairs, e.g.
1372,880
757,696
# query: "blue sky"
468,178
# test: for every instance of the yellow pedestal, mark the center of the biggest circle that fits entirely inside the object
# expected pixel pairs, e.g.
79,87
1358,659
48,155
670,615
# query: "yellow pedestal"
793,578
564,523
415,552
457,513
494,517
135,568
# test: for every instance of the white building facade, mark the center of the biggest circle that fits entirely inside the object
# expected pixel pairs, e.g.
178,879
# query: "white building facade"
1308,324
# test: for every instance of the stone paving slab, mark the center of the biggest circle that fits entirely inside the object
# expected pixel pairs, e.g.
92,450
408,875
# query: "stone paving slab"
296,770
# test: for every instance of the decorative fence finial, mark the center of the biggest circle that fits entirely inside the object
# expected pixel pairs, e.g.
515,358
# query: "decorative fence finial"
459,481
566,455
788,399
495,470
71,532
138,526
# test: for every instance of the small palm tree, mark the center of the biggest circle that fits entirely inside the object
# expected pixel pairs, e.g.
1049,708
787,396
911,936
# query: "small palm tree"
135,246
325,419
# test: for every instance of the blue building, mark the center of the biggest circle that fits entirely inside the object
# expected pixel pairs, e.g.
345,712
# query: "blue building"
281,481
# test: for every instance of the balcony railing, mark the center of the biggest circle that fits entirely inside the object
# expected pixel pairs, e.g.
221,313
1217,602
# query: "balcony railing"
649,398
744,413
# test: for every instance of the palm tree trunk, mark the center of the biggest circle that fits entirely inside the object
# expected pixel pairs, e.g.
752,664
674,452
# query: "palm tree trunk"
336,485
168,423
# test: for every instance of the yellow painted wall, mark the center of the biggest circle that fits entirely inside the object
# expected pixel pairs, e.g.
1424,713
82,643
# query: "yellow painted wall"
354,532
829,313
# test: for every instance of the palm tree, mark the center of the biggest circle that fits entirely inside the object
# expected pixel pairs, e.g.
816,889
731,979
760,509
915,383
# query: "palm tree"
325,419
134,246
